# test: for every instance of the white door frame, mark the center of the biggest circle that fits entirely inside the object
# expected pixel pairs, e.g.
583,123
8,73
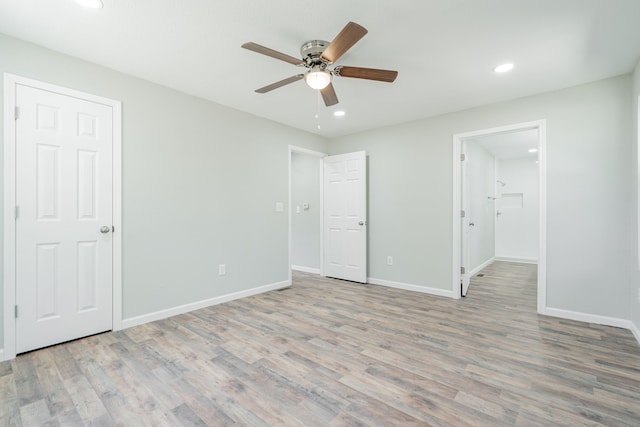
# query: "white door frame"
9,223
540,125
465,278
319,155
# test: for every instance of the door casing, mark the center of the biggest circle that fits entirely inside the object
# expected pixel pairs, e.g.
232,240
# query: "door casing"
465,230
540,125
319,156
9,223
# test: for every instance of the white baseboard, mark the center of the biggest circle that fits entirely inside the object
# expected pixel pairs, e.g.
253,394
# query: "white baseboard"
589,318
1,354
306,269
409,287
174,311
593,318
635,331
514,259
480,267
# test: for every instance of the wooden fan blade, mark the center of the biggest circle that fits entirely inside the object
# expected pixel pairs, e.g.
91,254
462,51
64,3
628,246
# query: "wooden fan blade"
367,73
349,36
272,53
329,95
281,83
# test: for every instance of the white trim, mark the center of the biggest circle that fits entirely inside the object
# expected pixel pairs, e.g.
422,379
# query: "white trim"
319,155
9,230
588,318
9,225
305,269
637,177
456,209
302,150
185,308
516,259
2,354
413,288
117,216
479,268
542,212
542,174
635,331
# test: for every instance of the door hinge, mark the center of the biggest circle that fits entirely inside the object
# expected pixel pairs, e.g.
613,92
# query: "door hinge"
463,157
113,228
16,113
462,270
462,214
16,311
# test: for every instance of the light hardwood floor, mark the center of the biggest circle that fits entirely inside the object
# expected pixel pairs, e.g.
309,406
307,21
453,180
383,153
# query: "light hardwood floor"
330,353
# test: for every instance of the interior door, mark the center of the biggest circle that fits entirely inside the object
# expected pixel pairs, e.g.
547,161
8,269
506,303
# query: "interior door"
345,216
465,224
64,155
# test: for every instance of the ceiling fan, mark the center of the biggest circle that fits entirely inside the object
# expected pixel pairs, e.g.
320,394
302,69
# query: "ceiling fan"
318,56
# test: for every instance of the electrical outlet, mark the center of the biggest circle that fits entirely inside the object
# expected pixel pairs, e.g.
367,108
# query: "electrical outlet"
222,270
389,260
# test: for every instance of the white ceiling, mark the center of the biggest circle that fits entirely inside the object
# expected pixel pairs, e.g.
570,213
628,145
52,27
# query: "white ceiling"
444,50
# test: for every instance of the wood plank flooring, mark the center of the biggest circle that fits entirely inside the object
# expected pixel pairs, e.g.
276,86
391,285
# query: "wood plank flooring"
332,353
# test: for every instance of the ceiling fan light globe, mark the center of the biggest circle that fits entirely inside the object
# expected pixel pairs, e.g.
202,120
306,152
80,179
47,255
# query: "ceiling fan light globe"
317,79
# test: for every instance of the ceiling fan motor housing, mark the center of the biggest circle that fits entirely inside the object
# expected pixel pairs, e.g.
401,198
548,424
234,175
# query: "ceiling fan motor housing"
311,51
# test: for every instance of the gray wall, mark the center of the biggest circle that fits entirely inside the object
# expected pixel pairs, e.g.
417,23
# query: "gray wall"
305,224
589,179
634,289
200,182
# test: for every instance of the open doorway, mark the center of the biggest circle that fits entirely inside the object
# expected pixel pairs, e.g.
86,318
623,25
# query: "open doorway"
327,214
305,210
499,202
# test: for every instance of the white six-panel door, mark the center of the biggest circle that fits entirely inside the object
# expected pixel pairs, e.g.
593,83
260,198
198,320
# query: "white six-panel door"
64,218
345,220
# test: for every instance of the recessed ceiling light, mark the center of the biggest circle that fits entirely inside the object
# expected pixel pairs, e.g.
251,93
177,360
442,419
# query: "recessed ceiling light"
533,150
339,113
503,68
94,4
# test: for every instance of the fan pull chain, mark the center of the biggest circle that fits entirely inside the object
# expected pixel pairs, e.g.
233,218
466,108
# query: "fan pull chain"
318,110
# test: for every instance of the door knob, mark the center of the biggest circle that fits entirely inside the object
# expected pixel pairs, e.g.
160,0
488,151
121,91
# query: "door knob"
472,224
105,229
361,222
